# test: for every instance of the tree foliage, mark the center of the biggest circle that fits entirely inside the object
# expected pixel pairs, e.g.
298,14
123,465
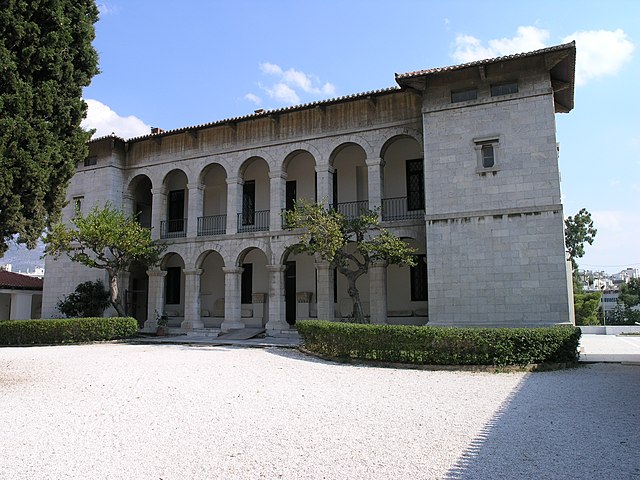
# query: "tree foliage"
578,230
46,58
327,234
586,308
627,311
107,239
90,299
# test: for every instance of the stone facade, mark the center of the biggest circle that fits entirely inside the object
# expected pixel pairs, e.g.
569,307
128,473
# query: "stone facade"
489,223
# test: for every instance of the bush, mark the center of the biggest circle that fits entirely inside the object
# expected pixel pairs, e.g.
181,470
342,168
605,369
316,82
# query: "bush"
441,345
90,299
586,308
66,330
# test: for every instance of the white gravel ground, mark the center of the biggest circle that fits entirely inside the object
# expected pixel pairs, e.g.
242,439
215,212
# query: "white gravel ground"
114,411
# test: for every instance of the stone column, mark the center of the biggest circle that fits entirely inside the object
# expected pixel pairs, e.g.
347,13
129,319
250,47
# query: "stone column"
277,308
325,185
325,305
192,300
374,175
277,198
378,292
128,204
20,306
234,203
158,210
232,318
155,303
194,208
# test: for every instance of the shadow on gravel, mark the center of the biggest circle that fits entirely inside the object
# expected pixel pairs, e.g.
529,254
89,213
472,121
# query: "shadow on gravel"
578,423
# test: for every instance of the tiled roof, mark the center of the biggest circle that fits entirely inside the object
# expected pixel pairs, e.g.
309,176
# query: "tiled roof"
11,280
432,71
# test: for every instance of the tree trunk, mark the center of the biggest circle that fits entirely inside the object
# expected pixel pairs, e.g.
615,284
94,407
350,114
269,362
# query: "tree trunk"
113,289
358,314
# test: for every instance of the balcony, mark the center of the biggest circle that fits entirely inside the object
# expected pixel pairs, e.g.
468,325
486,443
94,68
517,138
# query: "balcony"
398,209
352,209
212,225
253,221
173,228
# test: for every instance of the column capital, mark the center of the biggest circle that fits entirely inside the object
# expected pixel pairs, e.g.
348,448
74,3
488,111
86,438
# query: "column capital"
379,264
232,270
276,268
196,271
235,181
374,162
195,186
159,191
325,168
278,174
322,265
157,273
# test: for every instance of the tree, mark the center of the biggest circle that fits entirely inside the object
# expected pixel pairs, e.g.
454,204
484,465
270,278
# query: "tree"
327,234
106,239
578,230
46,58
90,299
586,308
627,311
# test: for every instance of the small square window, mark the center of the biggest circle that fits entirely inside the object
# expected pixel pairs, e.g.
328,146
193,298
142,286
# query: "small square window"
77,204
464,95
90,161
504,89
487,153
488,159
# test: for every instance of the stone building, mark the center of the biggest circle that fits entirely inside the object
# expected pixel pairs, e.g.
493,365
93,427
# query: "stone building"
462,162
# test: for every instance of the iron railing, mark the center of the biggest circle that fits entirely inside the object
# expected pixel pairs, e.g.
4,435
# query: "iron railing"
173,228
253,221
398,209
352,209
212,225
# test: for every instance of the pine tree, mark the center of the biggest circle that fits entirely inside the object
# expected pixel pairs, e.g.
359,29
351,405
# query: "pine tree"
46,58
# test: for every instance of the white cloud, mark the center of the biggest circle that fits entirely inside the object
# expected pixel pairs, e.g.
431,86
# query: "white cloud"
528,38
253,98
291,84
600,53
107,8
106,122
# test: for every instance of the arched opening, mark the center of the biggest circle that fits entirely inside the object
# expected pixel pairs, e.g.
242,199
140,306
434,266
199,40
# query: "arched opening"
212,290
137,293
350,180
254,287
214,209
174,286
254,216
175,225
301,178
403,179
142,199
407,290
300,287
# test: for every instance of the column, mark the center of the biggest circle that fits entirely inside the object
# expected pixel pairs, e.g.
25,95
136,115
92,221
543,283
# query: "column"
194,208
155,303
378,292
277,198
277,308
234,203
325,305
128,204
325,185
158,211
374,175
192,300
20,306
232,317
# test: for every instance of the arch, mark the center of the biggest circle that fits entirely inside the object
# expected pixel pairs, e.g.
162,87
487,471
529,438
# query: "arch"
249,161
410,135
212,288
206,169
300,167
140,201
351,178
358,140
136,180
170,258
294,153
248,249
174,172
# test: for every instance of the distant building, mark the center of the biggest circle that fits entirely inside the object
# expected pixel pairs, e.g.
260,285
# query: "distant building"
20,296
462,162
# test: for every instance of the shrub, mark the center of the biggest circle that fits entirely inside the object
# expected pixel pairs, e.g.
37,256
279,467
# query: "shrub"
90,299
586,308
441,345
66,330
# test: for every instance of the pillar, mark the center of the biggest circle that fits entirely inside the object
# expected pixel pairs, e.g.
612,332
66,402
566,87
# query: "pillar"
20,306
192,300
128,204
158,211
325,305
277,308
232,318
234,203
378,292
194,208
155,303
325,185
277,198
374,175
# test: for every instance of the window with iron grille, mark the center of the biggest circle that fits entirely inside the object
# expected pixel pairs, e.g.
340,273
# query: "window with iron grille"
504,88
246,283
172,285
90,161
464,95
419,291
249,202
415,184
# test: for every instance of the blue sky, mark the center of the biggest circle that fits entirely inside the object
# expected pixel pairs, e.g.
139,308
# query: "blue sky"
175,64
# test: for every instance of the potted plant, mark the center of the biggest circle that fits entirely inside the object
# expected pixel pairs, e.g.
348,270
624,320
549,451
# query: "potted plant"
161,324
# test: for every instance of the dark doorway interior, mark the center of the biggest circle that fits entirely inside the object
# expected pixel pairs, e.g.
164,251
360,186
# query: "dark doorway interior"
290,293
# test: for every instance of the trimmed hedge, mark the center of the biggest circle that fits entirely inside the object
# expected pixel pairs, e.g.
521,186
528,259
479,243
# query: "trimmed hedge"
441,345
66,330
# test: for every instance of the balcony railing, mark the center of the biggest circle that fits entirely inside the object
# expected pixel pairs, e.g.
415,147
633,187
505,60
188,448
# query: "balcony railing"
253,221
398,209
212,225
352,209
173,228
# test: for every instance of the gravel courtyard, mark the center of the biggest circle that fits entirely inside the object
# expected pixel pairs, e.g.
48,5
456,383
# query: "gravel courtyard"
109,411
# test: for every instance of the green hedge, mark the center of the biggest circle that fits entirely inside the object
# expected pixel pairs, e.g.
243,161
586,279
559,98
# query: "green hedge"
67,330
441,345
